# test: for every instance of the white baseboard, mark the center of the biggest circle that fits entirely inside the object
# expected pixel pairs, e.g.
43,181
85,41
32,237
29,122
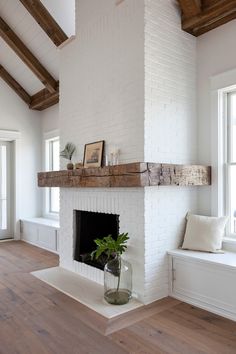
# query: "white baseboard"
204,306
39,246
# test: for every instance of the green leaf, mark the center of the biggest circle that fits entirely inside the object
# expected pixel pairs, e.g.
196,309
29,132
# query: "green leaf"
109,245
68,151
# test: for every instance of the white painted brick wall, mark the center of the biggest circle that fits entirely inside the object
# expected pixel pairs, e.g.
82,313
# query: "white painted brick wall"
102,78
165,211
170,86
129,78
170,134
129,204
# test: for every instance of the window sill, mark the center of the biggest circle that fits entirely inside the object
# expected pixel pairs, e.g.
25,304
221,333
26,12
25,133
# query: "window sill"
51,216
229,244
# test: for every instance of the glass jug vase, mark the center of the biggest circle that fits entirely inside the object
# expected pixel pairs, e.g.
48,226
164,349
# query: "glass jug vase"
117,281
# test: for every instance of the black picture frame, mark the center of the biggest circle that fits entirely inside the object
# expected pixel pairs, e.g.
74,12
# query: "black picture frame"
93,154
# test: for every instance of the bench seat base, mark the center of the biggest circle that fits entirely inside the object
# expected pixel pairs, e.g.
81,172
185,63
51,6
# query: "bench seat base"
205,280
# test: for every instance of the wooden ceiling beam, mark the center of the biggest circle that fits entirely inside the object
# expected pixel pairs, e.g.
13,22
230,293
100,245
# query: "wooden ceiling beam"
16,87
26,56
210,26
212,16
190,8
206,3
39,101
45,21
44,99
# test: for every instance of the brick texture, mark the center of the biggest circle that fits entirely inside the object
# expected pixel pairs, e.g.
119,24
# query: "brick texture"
129,204
129,78
102,78
170,134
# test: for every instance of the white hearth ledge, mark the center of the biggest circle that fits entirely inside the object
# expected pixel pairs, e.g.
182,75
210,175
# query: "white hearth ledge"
83,290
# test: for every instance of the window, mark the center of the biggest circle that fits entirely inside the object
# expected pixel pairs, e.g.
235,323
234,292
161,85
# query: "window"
223,151
3,187
52,164
230,185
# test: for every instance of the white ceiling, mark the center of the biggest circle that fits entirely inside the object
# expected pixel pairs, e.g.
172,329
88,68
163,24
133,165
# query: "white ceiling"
18,18
63,11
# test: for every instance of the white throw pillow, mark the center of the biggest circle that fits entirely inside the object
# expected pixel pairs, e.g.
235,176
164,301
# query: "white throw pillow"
204,233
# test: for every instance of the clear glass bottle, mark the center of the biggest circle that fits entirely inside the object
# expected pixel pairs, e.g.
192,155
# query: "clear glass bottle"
118,281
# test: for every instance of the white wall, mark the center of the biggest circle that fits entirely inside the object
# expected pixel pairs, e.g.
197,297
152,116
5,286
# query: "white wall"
130,78
102,78
15,115
216,54
50,119
63,11
102,97
170,134
170,86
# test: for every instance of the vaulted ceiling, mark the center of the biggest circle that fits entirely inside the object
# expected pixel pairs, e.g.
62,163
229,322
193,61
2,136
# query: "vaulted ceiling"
30,33
29,61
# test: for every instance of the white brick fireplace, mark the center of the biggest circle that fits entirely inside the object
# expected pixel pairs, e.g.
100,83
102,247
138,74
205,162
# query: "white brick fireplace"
129,79
128,204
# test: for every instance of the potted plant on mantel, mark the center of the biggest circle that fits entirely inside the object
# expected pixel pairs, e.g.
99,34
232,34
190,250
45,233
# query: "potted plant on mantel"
117,271
67,154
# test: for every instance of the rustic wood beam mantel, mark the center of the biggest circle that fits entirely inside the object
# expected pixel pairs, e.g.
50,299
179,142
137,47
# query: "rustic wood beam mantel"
45,21
139,174
44,99
27,57
19,90
213,14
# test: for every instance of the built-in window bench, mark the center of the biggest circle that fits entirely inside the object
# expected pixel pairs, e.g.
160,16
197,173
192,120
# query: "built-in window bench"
41,232
205,280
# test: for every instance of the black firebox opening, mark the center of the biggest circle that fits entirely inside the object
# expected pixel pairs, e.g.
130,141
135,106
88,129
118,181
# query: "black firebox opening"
87,227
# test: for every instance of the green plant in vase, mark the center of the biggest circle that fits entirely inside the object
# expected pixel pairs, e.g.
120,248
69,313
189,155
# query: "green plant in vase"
67,154
117,272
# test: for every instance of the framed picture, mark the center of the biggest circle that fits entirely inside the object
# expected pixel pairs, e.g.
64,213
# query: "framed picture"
93,154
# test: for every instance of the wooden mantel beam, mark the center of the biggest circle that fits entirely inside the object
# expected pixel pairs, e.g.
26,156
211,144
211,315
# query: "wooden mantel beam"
190,8
45,20
211,16
19,90
27,57
137,174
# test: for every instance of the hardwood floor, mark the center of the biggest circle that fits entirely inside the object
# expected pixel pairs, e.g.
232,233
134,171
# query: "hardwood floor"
37,319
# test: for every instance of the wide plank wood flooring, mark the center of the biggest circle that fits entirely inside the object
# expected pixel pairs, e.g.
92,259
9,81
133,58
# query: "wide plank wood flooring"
37,319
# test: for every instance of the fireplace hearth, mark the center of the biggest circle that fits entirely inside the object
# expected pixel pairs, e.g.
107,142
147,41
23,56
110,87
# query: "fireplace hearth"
89,226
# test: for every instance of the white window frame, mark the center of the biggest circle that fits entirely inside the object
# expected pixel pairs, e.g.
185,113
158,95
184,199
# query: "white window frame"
49,137
228,157
221,85
15,137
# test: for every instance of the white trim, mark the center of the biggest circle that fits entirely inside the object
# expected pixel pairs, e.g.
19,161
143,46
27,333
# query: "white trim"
9,135
216,154
40,246
14,136
67,41
220,85
223,80
202,305
51,134
43,221
229,244
48,136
